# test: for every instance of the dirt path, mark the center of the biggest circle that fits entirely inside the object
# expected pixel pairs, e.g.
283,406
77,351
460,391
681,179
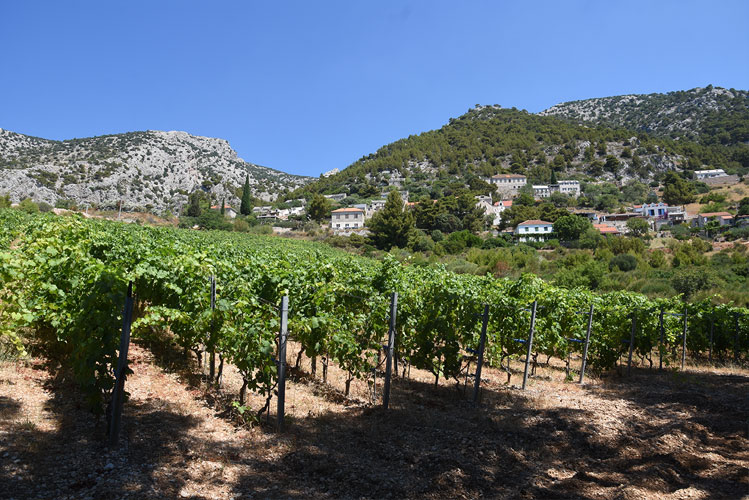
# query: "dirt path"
653,435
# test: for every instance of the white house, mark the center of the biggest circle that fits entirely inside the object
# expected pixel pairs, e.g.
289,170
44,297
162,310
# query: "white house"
659,210
534,230
541,191
336,197
347,218
709,174
508,184
570,188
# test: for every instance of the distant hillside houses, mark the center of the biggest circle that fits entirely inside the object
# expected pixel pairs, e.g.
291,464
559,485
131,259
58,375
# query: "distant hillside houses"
709,174
509,186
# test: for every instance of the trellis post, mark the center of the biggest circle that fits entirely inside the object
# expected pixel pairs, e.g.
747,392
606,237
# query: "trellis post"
587,343
118,393
684,340
660,342
389,353
480,362
530,343
212,370
282,335
631,343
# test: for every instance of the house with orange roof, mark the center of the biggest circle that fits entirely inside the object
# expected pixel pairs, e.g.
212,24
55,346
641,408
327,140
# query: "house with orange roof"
722,218
347,218
228,210
605,229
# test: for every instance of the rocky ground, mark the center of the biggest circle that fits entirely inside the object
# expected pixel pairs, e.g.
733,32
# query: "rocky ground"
653,435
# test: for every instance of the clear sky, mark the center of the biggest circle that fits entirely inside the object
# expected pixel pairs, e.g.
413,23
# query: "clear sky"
311,85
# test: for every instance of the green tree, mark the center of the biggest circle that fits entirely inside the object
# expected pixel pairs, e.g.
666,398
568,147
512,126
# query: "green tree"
319,208
393,225
638,226
245,207
194,208
5,201
676,190
744,206
28,206
571,227
223,206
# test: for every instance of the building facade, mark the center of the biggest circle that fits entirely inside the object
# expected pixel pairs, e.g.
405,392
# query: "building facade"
534,230
508,184
347,218
709,174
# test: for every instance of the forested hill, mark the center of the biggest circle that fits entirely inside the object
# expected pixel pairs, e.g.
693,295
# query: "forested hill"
708,115
489,139
149,170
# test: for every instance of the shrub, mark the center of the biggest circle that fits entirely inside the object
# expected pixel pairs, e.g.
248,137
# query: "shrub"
625,262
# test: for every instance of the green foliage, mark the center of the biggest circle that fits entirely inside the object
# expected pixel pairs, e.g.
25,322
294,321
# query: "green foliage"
676,190
28,206
245,206
571,227
392,226
319,208
624,262
638,226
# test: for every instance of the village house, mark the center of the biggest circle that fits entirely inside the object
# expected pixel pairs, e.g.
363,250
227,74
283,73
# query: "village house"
710,174
347,218
570,188
534,230
722,218
508,184
541,191
228,210
606,229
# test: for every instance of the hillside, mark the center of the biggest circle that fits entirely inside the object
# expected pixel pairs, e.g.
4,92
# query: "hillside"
488,140
145,170
708,115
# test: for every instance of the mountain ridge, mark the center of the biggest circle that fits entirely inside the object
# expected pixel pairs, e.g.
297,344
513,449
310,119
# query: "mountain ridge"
151,170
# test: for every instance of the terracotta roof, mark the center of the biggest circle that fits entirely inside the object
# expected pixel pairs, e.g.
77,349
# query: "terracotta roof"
219,206
508,176
339,210
534,222
605,228
716,214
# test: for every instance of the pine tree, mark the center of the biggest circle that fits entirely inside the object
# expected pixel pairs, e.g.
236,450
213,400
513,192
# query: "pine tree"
553,178
393,225
246,206
319,208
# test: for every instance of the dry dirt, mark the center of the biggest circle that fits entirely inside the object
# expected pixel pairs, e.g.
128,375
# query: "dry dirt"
654,435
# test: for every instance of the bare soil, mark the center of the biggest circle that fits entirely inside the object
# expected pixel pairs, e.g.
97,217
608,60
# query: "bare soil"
653,435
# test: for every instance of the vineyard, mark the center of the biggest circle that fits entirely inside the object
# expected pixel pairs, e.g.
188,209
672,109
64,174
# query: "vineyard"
65,279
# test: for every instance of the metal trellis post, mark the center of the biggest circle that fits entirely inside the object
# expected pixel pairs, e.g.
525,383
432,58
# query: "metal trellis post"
389,354
530,343
660,342
631,343
282,334
120,374
480,362
587,343
684,340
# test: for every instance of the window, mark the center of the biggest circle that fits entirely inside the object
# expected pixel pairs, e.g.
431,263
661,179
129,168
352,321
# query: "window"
347,224
547,229
347,216
536,228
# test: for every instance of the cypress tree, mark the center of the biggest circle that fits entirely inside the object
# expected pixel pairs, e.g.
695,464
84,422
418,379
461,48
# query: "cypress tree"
246,207
223,206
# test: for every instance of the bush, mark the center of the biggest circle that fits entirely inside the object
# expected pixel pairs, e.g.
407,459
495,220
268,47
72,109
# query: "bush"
240,226
625,262
44,207
28,206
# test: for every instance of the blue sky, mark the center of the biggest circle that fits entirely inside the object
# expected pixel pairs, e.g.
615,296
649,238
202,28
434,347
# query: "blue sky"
308,86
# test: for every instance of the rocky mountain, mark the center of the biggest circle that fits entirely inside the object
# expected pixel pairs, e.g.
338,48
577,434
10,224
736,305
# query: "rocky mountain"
488,140
150,170
707,114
